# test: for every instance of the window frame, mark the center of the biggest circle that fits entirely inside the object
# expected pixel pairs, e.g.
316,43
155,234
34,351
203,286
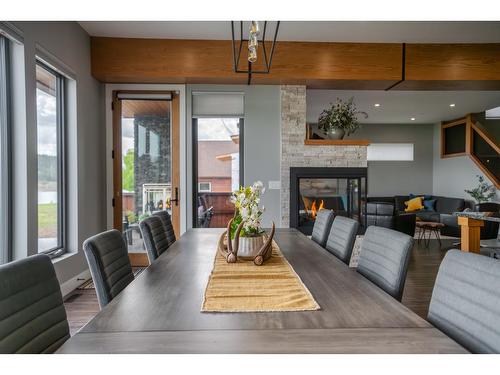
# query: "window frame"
209,190
61,82
5,151
194,153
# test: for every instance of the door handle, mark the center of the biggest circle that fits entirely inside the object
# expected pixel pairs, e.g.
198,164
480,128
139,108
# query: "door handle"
176,195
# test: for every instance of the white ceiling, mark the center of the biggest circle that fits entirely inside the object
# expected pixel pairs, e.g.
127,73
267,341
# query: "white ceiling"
325,31
397,107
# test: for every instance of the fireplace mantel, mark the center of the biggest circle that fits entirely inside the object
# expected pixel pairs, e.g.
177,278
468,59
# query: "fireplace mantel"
336,142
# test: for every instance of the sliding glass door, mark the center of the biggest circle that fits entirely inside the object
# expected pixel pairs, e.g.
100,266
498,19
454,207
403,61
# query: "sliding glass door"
218,169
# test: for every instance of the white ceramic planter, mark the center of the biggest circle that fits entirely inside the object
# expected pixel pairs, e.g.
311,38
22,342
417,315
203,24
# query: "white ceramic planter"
250,246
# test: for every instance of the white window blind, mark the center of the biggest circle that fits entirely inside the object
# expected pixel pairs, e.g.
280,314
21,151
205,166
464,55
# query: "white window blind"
390,152
220,104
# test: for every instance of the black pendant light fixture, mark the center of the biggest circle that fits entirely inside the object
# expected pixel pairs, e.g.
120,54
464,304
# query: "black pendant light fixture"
256,36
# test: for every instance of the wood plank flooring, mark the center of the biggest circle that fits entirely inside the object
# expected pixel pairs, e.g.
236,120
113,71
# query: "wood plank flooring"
82,305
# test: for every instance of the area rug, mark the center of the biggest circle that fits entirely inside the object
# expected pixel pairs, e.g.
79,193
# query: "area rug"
245,287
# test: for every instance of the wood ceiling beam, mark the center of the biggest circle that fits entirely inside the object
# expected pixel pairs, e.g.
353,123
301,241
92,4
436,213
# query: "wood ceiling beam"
374,66
452,67
343,65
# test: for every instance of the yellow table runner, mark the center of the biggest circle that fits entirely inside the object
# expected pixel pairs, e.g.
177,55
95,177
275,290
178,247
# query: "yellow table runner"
245,287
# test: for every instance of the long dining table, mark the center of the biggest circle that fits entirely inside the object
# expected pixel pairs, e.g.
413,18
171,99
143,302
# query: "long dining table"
160,311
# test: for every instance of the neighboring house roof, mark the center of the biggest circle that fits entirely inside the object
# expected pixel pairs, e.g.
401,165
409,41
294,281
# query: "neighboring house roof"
208,163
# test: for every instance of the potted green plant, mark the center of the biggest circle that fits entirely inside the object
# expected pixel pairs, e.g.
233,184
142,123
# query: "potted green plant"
484,192
340,119
246,201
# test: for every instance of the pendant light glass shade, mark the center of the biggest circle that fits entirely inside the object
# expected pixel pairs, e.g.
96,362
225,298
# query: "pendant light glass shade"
253,41
255,28
252,54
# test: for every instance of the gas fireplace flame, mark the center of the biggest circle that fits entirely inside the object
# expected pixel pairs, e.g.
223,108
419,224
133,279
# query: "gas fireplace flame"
315,210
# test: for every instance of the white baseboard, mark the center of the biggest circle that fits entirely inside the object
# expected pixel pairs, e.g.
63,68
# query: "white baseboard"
73,283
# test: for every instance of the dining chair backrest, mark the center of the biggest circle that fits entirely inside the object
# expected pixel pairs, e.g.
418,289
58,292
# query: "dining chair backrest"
341,238
322,224
32,315
154,236
109,264
166,220
384,258
465,303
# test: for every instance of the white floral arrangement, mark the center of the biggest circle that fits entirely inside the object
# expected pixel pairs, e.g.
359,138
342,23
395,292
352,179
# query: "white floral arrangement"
246,201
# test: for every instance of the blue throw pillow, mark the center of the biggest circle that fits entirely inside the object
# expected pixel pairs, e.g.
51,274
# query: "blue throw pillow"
429,204
424,197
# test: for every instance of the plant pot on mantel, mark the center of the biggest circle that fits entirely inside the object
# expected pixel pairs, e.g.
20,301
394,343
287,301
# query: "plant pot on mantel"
340,118
334,133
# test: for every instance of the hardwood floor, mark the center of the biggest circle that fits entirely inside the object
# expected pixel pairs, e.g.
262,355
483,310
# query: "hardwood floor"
82,305
422,272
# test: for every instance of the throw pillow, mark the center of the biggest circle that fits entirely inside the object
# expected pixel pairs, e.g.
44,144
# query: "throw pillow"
424,197
414,204
430,204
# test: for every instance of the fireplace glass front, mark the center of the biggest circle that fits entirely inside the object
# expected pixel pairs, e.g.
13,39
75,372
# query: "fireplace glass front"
344,195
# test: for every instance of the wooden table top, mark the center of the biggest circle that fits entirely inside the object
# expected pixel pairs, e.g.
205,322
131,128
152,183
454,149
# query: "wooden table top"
160,310
429,224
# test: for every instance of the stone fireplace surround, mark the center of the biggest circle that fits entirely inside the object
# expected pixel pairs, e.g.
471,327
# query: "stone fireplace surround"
295,154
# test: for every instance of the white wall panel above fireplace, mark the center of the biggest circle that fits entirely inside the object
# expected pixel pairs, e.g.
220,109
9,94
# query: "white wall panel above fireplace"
390,152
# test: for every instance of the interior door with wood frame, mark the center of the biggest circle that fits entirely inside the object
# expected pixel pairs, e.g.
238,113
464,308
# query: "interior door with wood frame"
145,163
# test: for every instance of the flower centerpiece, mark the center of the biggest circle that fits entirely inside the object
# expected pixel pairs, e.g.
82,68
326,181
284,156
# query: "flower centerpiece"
340,119
248,213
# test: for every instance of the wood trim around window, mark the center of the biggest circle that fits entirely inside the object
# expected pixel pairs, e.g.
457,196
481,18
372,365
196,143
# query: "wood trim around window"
448,124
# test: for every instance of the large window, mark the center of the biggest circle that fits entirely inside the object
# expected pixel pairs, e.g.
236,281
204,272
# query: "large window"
4,153
50,134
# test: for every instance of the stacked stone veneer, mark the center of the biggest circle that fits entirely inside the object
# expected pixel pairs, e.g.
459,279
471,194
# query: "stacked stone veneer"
295,154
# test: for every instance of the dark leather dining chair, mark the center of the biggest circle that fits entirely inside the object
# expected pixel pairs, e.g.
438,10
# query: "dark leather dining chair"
384,258
109,264
322,225
155,237
32,315
341,238
465,302
166,219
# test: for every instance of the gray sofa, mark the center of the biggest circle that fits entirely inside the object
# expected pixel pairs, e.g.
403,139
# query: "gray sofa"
390,212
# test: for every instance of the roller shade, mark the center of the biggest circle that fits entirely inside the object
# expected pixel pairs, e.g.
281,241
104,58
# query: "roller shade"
220,104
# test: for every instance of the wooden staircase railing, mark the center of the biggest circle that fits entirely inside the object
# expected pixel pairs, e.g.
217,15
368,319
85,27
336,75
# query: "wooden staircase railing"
478,144
483,149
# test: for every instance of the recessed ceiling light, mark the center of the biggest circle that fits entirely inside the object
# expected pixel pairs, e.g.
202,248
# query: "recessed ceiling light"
376,105
412,119
452,105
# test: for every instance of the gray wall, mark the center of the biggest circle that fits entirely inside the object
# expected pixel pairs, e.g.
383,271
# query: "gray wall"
386,178
452,175
69,44
261,141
